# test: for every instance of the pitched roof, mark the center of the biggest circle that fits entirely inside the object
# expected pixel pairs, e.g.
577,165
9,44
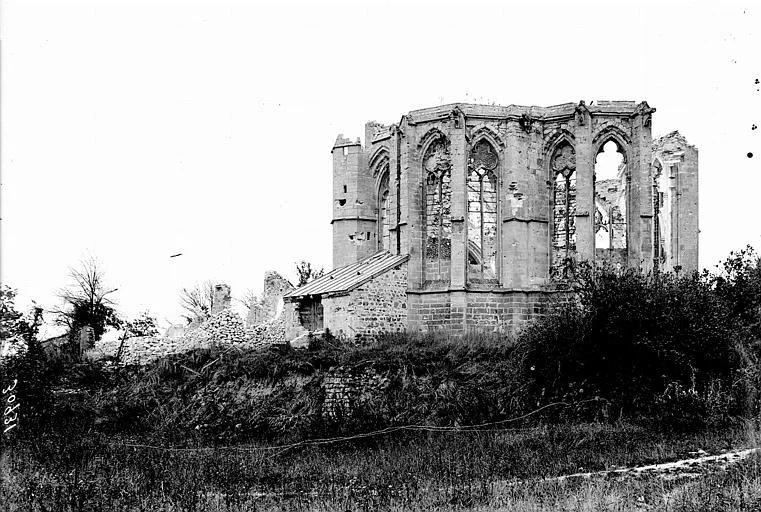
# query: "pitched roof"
345,279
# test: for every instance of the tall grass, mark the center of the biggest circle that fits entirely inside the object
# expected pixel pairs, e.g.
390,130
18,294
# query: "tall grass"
396,472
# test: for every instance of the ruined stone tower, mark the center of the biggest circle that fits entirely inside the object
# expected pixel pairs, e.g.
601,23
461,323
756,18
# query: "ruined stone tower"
354,236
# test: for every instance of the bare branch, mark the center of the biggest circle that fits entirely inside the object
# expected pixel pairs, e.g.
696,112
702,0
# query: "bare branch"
86,300
249,298
197,301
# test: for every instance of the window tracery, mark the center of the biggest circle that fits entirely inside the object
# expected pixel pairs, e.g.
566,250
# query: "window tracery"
563,167
437,167
482,212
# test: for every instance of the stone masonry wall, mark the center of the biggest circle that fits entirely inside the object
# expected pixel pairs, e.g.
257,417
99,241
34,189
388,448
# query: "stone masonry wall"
483,311
346,389
378,306
270,304
679,161
525,140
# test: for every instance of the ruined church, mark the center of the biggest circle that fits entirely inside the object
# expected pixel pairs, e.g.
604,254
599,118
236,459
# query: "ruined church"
466,217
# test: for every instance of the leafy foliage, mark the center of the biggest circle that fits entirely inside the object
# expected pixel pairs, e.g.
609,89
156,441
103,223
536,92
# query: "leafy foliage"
661,343
86,300
143,325
27,371
306,273
739,286
14,324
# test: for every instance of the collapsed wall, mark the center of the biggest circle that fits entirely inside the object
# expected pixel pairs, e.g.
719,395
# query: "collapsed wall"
224,328
270,304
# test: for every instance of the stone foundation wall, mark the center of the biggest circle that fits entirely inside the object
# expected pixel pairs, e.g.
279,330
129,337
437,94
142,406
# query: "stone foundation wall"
477,311
430,312
346,389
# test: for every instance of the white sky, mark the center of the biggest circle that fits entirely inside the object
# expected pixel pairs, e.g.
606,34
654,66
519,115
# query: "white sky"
135,130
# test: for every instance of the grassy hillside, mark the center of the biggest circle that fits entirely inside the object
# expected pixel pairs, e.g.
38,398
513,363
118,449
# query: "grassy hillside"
639,369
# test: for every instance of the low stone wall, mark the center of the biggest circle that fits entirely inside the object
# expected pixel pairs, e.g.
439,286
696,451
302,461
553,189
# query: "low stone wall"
348,388
225,328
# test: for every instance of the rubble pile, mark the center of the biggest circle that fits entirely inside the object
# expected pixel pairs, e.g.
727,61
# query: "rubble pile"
223,329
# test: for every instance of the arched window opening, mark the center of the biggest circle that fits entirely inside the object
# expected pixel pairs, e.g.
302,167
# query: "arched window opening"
437,166
482,213
610,187
563,166
383,221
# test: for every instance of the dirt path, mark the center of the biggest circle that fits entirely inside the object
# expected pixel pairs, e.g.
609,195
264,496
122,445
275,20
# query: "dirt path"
686,468
681,469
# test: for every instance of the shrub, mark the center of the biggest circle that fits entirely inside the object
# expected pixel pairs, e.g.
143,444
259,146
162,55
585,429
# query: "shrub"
628,339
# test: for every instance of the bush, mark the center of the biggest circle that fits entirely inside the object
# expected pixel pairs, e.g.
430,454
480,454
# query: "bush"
637,341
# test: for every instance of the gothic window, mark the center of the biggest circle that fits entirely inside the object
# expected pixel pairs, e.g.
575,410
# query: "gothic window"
437,168
383,221
563,165
482,213
610,204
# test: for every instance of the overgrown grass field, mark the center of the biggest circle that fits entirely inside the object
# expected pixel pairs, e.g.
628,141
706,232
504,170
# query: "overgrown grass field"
409,471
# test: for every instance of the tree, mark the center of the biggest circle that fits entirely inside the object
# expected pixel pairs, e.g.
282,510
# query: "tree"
26,371
197,301
9,317
249,299
86,300
14,325
143,325
739,284
306,273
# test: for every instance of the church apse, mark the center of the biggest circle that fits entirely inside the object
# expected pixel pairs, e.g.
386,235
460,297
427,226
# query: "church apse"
492,205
